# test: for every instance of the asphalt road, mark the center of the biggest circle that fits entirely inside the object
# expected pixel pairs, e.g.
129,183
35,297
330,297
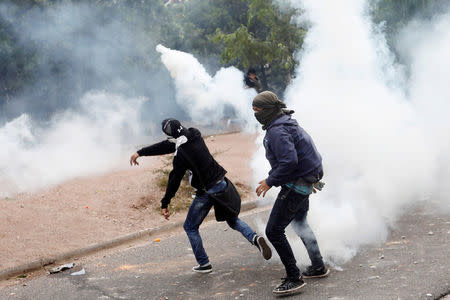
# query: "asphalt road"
414,263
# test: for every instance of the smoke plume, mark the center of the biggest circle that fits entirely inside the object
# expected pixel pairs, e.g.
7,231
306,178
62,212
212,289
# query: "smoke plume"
91,102
88,142
208,99
383,135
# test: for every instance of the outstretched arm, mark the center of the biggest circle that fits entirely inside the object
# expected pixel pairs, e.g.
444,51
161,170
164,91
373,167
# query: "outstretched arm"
161,148
164,147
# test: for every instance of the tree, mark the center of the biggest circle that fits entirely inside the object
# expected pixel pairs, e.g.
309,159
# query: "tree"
267,38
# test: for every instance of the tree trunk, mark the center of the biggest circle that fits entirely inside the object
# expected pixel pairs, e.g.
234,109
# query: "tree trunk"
264,84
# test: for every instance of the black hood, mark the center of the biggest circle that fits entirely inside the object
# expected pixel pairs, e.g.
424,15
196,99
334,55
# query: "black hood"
173,128
193,133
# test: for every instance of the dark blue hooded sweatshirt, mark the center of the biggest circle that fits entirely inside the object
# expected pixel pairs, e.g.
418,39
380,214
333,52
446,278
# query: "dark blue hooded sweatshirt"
290,151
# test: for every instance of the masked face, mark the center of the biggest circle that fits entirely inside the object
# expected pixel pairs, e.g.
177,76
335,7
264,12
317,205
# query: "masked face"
257,113
267,108
260,117
265,116
166,128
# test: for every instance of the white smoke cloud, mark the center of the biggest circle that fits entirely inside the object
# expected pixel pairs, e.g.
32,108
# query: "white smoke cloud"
204,97
95,134
426,47
379,156
91,141
73,48
384,139
58,127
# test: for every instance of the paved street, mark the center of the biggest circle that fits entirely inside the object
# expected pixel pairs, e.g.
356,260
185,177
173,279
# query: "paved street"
412,264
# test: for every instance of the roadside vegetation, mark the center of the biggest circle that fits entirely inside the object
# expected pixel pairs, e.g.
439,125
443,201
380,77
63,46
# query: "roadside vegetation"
185,194
183,197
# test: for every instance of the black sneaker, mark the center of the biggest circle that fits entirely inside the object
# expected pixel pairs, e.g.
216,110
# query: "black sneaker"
316,272
289,287
203,269
261,244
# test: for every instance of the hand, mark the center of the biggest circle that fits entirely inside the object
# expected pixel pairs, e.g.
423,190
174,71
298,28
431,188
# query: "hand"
262,188
165,212
133,159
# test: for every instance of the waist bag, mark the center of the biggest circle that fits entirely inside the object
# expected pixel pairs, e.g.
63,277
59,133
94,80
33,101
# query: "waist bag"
303,187
300,186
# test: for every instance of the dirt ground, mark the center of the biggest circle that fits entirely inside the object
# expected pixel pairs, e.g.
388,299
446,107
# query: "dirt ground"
85,211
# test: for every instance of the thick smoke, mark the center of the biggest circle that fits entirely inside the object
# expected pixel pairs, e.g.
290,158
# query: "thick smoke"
425,45
382,135
89,104
65,125
76,48
207,99
90,141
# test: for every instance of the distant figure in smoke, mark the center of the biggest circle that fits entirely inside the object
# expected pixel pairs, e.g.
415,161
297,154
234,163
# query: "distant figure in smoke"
297,168
252,81
207,177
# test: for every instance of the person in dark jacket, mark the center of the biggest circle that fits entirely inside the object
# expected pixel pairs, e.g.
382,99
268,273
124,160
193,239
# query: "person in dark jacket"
296,166
207,177
252,81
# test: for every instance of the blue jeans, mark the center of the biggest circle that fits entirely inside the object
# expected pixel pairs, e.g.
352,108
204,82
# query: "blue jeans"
198,211
292,207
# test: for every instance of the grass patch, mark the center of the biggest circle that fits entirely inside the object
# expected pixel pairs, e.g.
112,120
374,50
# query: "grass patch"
243,189
184,196
143,203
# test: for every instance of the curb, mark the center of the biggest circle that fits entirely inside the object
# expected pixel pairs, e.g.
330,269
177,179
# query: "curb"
40,263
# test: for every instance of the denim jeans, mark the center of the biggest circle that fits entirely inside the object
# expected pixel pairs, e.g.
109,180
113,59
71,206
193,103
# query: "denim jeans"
198,211
293,207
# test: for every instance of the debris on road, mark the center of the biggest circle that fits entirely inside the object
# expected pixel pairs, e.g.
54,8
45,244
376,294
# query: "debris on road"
61,268
81,272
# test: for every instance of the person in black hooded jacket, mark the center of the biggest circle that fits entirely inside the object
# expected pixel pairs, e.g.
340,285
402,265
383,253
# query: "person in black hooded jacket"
208,177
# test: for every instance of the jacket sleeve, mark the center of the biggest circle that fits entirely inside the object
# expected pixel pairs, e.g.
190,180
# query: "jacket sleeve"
164,147
282,146
175,177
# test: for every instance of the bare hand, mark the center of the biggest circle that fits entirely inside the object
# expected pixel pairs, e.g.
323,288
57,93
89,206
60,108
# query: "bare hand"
133,159
262,188
165,212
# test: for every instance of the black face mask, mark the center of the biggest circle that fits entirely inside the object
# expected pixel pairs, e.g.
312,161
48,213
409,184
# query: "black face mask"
267,115
260,117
